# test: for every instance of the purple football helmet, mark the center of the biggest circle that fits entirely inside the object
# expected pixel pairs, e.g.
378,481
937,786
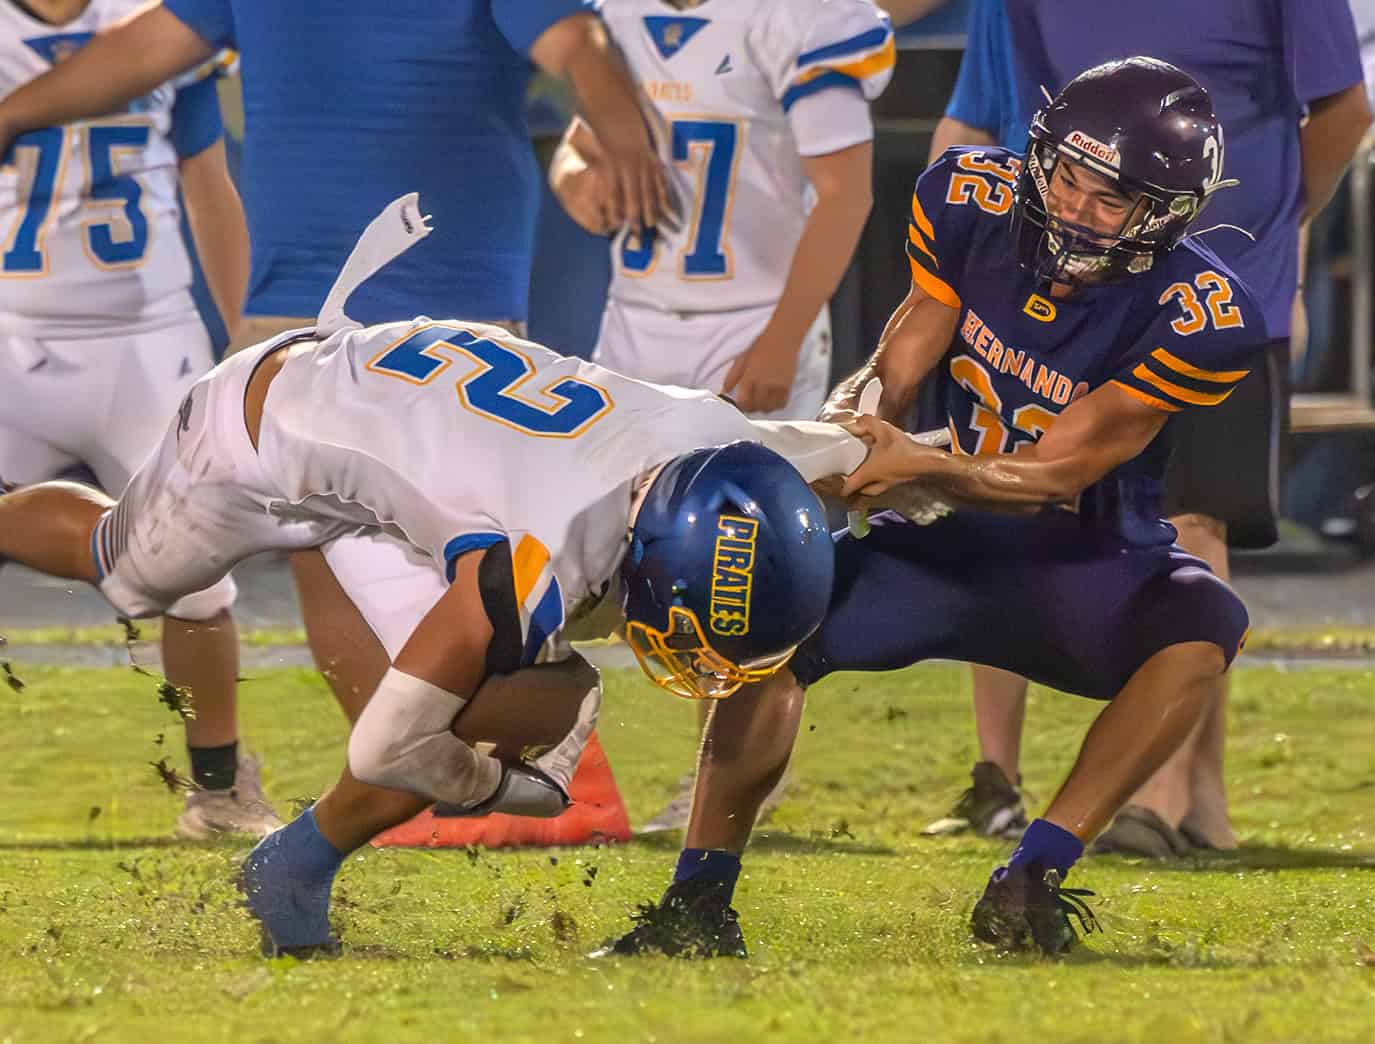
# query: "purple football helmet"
1143,124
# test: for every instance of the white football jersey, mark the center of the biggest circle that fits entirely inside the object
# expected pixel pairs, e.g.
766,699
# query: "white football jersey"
732,82
89,218
455,435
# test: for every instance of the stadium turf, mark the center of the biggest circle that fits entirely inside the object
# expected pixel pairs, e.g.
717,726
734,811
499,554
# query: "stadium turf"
109,931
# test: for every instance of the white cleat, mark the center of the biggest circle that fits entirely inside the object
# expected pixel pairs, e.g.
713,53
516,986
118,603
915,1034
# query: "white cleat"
242,809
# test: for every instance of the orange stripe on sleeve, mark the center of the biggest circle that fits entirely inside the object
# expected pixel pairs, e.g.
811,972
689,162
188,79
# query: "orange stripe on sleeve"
1189,370
923,222
527,564
880,61
915,238
1149,400
1175,391
934,286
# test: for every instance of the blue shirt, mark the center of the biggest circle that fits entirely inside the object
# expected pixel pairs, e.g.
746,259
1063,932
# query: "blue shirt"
1262,61
351,104
1178,336
986,93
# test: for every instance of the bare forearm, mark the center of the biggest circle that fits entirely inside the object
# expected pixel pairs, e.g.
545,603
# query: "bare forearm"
951,132
823,252
116,66
988,483
910,347
845,396
606,93
219,229
1328,140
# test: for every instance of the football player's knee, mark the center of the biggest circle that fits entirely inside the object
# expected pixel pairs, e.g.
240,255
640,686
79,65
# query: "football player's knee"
203,605
402,741
1233,624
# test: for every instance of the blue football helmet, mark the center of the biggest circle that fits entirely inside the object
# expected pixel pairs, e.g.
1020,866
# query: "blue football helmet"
729,569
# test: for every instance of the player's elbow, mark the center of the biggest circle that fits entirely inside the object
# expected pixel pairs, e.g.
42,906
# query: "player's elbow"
852,198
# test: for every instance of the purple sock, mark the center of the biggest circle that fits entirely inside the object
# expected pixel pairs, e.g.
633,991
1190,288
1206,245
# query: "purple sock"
709,864
1055,848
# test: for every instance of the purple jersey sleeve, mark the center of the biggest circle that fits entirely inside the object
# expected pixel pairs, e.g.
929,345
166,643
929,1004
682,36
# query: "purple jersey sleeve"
212,20
1200,346
1324,53
950,196
522,22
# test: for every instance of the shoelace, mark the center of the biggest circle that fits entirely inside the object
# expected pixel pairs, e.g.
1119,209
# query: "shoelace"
1072,902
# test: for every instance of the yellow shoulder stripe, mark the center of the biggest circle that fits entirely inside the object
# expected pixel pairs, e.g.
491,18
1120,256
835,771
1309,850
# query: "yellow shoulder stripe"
527,564
1189,370
914,237
1145,373
880,61
923,222
934,286
1149,400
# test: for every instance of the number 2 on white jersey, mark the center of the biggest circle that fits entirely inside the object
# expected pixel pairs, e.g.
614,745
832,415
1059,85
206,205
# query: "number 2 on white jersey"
24,256
711,147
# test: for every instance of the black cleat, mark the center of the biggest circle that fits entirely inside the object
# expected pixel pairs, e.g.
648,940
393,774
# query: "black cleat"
693,919
1024,907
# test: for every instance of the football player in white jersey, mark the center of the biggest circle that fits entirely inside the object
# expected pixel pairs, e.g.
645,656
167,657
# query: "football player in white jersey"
762,109
527,489
763,118
100,338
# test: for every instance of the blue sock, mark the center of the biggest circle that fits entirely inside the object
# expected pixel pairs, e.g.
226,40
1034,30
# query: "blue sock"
1055,848
709,864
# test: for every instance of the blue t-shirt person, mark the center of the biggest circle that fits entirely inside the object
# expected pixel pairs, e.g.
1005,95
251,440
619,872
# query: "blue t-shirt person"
348,107
1261,61
986,92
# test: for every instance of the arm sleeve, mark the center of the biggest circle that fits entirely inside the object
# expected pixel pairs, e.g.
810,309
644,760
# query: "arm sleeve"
938,230
522,22
212,20
807,47
1324,53
196,123
538,597
816,449
1171,369
830,121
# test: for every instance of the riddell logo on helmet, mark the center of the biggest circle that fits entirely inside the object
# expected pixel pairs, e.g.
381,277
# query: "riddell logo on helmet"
1095,148
732,574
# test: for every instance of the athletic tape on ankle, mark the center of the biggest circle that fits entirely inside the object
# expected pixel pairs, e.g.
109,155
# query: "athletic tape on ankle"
403,740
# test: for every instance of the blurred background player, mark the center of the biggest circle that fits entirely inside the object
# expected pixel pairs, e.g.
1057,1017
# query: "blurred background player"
1288,145
100,337
763,111
441,111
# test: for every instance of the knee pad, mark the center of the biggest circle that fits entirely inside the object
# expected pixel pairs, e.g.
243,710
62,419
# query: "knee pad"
204,604
402,741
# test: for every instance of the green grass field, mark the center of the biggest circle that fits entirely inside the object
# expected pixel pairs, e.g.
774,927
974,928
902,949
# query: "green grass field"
108,931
